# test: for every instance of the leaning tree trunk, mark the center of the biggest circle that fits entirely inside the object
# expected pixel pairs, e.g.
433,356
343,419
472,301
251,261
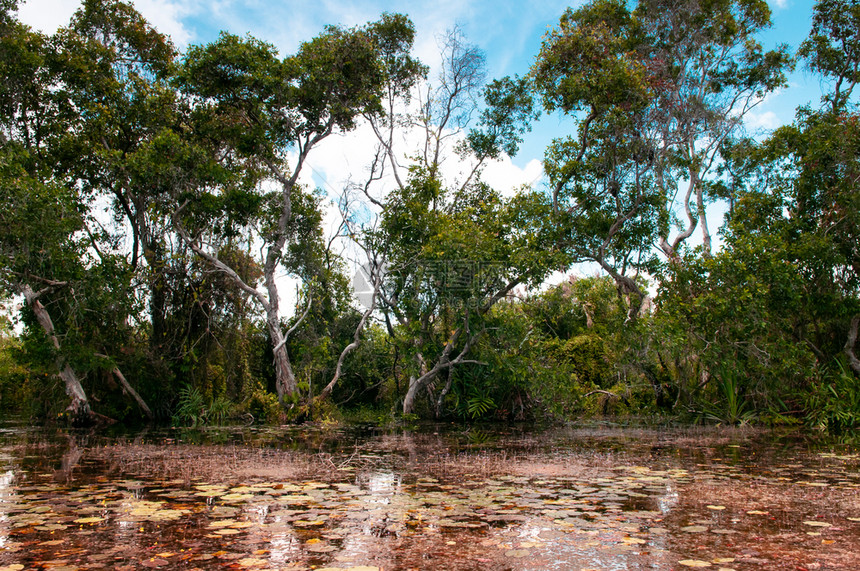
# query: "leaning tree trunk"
80,406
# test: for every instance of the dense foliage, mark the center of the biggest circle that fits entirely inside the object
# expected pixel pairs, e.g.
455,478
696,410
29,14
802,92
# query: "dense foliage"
153,204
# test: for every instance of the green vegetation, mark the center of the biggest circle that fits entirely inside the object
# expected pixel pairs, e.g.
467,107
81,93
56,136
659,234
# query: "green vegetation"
170,306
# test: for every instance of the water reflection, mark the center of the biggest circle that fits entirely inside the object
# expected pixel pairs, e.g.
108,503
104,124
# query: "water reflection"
572,499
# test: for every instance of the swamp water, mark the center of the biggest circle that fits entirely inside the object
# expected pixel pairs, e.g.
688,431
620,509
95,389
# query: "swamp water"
599,498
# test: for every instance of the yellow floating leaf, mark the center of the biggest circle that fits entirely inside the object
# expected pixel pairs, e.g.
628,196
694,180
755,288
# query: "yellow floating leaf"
716,508
723,560
13,567
251,562
854,519
93,519
694,563
236,497
816,523
633,540
757,512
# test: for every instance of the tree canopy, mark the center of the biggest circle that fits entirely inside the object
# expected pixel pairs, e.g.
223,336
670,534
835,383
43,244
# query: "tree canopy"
157,204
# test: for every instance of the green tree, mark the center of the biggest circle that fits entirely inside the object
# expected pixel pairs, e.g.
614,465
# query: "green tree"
779,304
653,91
249,111
442,246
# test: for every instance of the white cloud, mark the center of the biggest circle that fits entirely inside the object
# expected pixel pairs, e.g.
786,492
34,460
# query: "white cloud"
165,15
763,120
504,176
47,15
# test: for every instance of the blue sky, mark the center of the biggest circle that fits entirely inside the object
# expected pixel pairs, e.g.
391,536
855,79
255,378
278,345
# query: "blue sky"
508,31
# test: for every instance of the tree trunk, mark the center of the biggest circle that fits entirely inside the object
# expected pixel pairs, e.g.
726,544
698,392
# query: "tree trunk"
128,389
80,406
415,383
444,393
853,361
285,380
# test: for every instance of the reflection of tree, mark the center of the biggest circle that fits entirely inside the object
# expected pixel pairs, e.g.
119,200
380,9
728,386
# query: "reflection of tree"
71,458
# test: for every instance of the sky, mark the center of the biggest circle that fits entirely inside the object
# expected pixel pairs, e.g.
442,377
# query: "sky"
509,32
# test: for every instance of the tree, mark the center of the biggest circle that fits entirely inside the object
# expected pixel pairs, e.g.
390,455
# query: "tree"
780,302
114,68
444,246
653,92
249,110
40,217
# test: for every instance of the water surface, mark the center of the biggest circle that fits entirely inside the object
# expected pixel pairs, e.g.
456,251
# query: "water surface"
444,497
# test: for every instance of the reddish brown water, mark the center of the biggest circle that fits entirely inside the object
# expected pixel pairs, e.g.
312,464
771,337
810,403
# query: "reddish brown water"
598,498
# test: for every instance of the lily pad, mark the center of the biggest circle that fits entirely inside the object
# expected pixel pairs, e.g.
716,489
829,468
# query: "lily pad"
817,524
694,529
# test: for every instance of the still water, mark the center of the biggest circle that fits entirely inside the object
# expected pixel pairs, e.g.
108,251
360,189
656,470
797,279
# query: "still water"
441,497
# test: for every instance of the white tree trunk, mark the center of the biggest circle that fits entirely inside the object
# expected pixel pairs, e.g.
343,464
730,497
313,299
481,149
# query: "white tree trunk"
80,405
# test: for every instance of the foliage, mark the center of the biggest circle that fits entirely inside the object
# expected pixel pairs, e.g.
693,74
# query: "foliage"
833,403
728,405
191,408
174,291
653,92
263,407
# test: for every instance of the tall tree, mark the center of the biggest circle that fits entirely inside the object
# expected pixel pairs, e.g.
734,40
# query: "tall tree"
257,118
114,68
53,252
444,246
654,92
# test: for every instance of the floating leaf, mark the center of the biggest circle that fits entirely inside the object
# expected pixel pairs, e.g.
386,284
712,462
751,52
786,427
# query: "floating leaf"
307,523
318,548
694,529
517,553
715,508
817,523
93,519
234,497
251,562
694,563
